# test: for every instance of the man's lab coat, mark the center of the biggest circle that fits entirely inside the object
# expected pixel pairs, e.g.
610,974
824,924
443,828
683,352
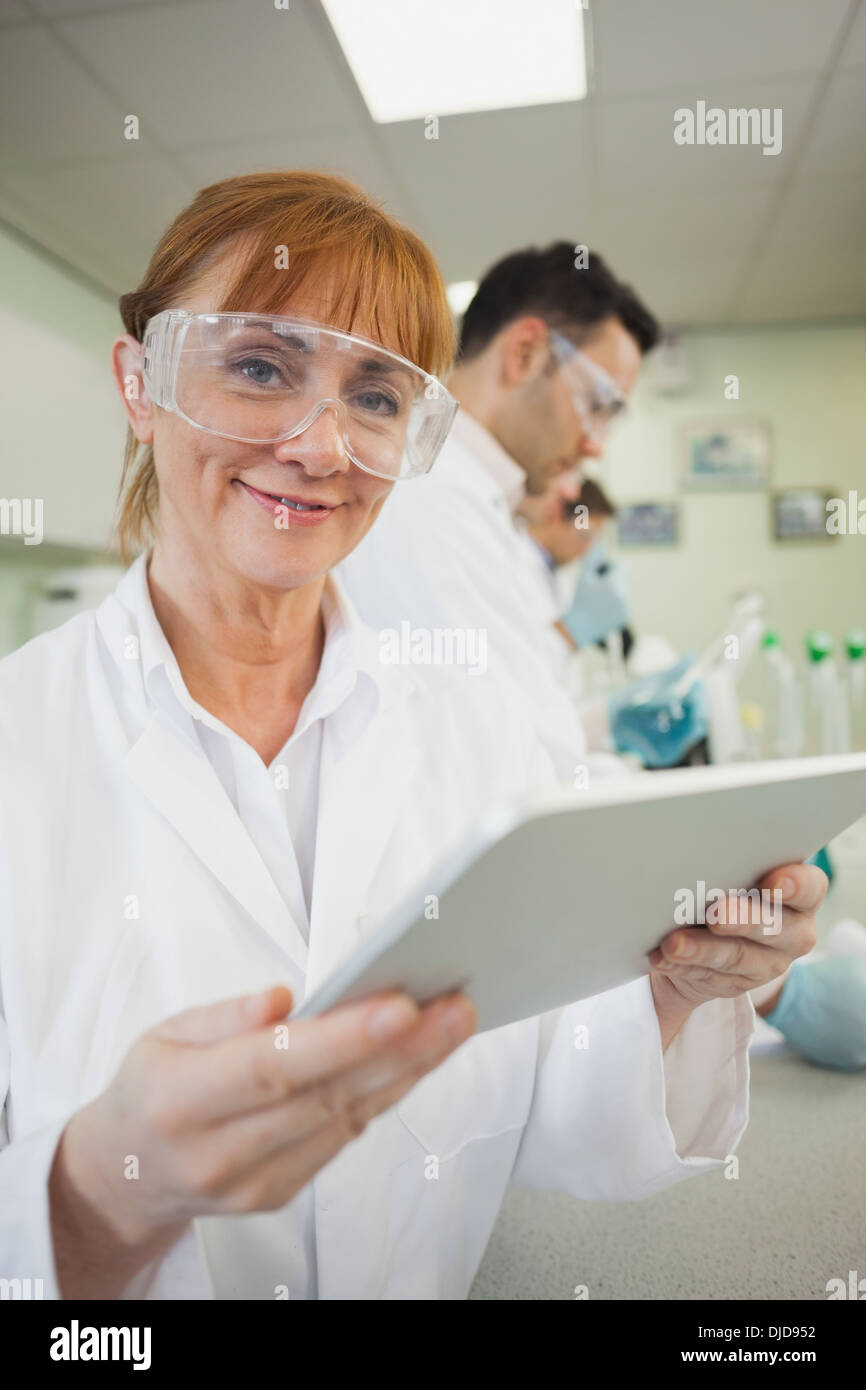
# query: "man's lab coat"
104,801
445,553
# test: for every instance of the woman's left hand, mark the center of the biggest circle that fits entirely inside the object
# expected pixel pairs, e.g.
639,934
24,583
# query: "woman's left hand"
730,956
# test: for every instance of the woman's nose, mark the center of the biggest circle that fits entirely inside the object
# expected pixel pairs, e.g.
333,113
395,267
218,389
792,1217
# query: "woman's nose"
319,445
319,442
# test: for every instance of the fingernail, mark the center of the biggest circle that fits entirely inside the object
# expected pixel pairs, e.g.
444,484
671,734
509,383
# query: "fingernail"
684,947
392,1017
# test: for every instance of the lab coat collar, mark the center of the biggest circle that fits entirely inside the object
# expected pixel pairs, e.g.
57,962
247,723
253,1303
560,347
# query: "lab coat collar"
347,655
167,762
496,462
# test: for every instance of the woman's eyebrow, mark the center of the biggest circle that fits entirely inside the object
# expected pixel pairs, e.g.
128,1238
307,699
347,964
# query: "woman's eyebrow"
302,342
285,335
379,366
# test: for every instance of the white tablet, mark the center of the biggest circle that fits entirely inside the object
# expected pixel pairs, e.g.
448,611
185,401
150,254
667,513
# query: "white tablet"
564,896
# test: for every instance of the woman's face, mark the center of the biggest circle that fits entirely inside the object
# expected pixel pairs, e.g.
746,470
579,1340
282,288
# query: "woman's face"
211,509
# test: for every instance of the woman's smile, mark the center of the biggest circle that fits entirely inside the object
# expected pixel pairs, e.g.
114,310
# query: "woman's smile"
293,510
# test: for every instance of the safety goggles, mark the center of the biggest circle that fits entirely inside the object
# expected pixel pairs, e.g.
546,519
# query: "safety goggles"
263,378
596,396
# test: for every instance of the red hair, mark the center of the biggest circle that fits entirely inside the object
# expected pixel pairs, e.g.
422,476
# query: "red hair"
322,221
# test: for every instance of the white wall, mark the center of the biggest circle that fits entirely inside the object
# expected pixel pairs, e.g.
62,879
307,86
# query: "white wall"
810,384
63,425
63,422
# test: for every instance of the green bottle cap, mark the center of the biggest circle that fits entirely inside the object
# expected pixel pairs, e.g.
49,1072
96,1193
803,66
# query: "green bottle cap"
771,639
855,642
818,645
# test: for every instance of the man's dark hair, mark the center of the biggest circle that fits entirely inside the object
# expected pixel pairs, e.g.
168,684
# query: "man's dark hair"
593,497
548,283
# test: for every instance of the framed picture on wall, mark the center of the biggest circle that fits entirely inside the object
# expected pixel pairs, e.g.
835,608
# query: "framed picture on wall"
726,454
800,514
648,523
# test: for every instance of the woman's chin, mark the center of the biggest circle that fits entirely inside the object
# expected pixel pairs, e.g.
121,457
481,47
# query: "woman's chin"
279,567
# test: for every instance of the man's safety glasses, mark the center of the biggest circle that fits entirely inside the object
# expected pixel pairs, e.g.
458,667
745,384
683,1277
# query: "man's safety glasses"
261,378
596,396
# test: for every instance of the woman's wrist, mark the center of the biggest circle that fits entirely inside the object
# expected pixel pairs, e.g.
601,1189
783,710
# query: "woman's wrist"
672,1010
99,1245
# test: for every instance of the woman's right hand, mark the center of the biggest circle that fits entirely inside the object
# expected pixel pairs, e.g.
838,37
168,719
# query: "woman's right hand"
209,1115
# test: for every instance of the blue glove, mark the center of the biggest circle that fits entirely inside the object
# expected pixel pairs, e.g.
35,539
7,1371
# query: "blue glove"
822,1011
647,719
600,604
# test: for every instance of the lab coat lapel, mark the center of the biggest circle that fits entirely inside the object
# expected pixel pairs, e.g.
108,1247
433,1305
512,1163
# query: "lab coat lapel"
180,782
361,795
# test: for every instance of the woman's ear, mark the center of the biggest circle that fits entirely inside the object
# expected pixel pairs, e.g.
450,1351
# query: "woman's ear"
126,365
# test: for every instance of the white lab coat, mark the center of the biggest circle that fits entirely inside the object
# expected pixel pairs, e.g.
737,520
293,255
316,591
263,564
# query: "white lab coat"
446,553
104,800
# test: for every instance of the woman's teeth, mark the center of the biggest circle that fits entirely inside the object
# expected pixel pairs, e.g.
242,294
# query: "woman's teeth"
299,506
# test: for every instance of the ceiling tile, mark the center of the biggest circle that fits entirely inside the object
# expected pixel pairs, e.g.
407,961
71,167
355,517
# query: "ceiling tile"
353,154
222,86
684,46
60,9
197,74
492,181
707,222
637,148
50,111
822,218
837,144
681,289
854,54
120,207
787,285
14,12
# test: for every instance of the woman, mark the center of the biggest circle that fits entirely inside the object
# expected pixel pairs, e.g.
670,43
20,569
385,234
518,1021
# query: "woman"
213,789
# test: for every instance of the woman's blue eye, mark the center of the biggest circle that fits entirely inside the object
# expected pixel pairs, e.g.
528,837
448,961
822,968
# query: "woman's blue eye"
378,402
257,370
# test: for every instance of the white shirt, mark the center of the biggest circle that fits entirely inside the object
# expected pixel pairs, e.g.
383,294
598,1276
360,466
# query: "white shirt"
131,888
278,805
445,553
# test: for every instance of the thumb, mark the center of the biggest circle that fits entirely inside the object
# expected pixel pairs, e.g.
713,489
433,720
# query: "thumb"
211,1023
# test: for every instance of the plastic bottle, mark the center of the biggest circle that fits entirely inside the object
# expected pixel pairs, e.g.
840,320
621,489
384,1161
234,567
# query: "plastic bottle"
728,741
786,723
731,737
828,705
855,646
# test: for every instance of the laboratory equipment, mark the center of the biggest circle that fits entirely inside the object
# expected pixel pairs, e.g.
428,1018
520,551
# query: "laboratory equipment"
827,703
658,719
855,648
786,732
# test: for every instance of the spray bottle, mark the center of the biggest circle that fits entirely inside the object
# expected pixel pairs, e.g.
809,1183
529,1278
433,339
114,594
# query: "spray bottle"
786,721
855,646
828,706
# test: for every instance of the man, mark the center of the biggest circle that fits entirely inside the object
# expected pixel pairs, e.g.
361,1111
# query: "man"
548,355
569,531
570,528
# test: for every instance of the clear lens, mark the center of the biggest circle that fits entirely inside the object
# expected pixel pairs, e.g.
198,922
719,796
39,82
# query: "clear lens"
260,379
597,398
